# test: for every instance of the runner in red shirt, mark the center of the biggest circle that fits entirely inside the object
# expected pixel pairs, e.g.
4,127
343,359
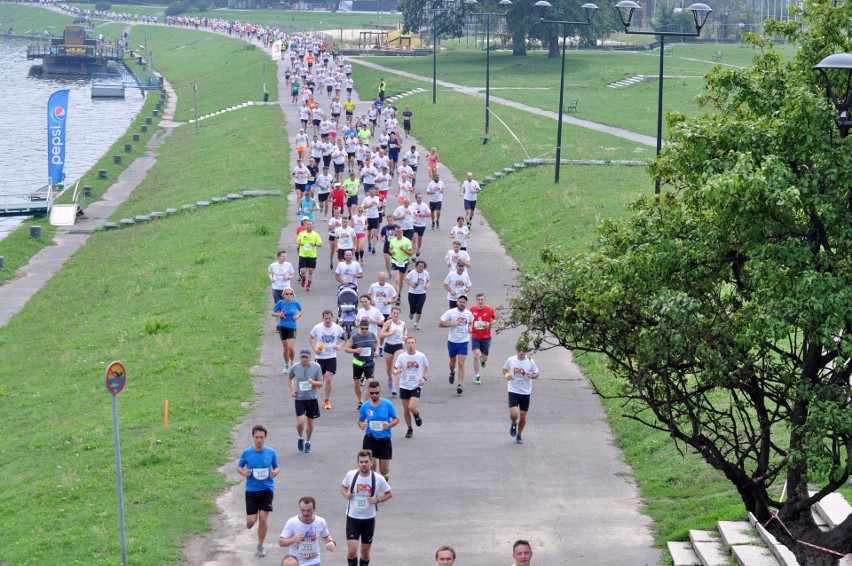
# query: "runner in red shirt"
338,197
484,318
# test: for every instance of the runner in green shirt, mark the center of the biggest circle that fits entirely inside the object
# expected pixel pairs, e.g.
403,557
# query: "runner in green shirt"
308,242
400,249
350,187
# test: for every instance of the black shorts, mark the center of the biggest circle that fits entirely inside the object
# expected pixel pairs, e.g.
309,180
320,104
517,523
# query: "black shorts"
391,349
408,233
340,253
322,197
326,160
416,302
373,223
350,155
520,401
349,114
406,125
309,407
435,205
331,238
386,248
469,204
481,344
287,333
259,501
277,295
401,268
316,122
420,230
368,186
352,201
307,262
339,167
381,448
360,529
333,115
301,186
409,393
328,365
363,371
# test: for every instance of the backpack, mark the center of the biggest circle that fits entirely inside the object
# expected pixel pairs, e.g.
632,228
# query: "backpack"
372,487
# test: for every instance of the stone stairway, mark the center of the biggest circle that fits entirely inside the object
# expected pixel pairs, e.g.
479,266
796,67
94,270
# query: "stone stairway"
747,543
629,81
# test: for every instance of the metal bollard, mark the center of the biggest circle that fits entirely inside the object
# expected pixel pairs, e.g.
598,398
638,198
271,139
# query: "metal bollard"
102,173
136,137
35,231
128,147
116,159
87,191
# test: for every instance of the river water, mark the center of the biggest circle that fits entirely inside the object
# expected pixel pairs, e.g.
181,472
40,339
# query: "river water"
93,125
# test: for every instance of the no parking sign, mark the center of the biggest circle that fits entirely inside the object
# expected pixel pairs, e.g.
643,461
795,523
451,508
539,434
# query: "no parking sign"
116,378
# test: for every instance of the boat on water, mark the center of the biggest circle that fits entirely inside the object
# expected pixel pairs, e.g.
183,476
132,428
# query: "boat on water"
74,53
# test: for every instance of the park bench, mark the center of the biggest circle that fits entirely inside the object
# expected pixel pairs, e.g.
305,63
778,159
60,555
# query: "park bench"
572,105
717,56
669,50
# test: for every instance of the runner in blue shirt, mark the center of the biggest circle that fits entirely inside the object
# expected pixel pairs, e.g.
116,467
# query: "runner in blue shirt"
259,465
376,418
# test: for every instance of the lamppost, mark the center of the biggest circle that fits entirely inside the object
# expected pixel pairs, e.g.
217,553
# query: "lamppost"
700,12
839,61
488,17
440,7
590,10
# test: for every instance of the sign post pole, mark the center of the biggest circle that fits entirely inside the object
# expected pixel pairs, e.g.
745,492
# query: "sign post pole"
116,377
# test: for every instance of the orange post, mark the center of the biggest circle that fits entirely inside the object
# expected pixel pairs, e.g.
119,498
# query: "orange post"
166,415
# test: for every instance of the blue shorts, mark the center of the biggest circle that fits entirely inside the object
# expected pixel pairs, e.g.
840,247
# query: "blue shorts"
457,348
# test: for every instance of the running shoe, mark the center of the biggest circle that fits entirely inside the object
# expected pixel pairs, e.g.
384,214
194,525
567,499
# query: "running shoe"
301,444
330,265
519,440
327,404
433,226
307,447
477,380
452,377
513,430
394,391
381,352
411,316
363,381
358,408
308,288
459,390
374,251
390,384
260,552
438,225
286,368
416,326
417,420
410,433
303,281
482,363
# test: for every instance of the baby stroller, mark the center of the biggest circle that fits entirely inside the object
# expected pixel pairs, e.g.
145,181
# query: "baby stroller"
347,307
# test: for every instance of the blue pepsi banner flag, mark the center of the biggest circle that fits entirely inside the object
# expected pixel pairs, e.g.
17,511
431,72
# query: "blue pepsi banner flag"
57,111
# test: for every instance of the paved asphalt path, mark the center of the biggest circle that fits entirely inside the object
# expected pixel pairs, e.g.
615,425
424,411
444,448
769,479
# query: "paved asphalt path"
461,480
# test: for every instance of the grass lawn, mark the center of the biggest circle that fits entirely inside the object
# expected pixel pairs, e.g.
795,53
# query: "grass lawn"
26,19
534,80
227,71
179,301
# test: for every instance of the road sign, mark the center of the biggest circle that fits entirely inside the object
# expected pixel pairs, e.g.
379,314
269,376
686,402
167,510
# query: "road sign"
116,377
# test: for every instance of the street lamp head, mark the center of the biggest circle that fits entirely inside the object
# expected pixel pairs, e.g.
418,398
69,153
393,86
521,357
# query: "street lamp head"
700,12
625,10
471,2
543,4
590,10
505,3
842,61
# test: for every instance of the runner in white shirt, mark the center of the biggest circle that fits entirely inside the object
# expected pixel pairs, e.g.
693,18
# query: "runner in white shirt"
363,490
394,334
303,532
316,149
301,143
280,272
418,281
323,184
459,322
412,157
411,371
457,255
457,283
371,314
338,160
359,224
300,175
326,339
335,222
421,213
435,190
460,232
372,206
345,239
404,188
406,169
519,371
381,160
470,189
384,296
348,272
404,215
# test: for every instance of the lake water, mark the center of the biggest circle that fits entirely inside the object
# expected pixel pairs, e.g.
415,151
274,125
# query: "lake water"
93,125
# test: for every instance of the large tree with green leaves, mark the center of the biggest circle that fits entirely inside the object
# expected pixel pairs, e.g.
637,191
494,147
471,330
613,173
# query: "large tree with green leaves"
724,305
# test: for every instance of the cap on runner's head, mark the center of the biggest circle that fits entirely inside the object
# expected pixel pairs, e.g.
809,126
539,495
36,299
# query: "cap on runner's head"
305,218
435,176
304,353
337,184
406,105
365,324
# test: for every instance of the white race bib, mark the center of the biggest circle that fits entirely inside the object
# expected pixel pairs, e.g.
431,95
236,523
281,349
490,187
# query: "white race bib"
377,425
305,386
260,473
366,352
479,324
519,381
361,502
307,247
411,376
307,548
461,329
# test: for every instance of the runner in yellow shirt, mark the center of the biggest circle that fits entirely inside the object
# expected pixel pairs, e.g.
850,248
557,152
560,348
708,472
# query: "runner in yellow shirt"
308,242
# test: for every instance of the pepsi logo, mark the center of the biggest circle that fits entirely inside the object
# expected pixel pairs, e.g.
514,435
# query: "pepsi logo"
59,113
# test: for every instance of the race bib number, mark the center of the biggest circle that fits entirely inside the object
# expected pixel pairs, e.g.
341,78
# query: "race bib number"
366,352
400,263
519,381
479,324
461,329
410,376
307,247
377,426
307,548
304,386
260,473
361,502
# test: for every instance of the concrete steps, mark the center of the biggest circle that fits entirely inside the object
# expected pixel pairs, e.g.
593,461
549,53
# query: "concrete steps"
747,543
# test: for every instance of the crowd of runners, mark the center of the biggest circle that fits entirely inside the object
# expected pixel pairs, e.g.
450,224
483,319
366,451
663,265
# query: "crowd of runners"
357,195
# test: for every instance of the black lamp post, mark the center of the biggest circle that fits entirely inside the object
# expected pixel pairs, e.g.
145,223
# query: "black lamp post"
441,7
839,61
700,12
488,17
590,10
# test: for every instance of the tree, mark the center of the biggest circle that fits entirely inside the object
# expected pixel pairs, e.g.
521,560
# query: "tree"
724,305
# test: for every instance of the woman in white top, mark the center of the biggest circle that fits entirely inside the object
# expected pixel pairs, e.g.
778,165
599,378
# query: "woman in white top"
394,334
418,281
335,222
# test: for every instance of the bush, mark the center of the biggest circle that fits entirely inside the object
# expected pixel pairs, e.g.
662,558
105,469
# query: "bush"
103,6
176,8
